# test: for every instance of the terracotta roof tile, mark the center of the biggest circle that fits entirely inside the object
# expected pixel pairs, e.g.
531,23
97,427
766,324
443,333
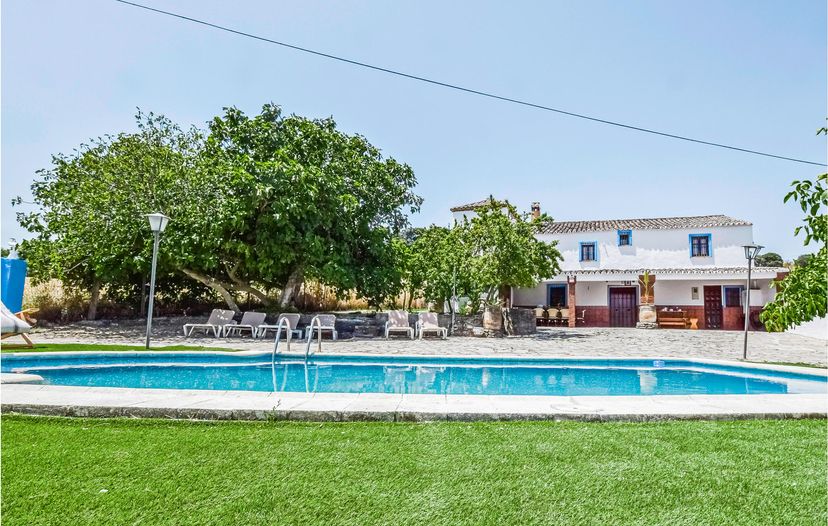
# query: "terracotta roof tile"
605,225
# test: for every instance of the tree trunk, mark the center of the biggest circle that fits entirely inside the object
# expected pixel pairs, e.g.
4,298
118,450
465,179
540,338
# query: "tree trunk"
245,287
95,296
291,288
216,285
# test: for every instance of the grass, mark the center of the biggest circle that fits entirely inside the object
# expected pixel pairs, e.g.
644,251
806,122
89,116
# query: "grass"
81,471
63,347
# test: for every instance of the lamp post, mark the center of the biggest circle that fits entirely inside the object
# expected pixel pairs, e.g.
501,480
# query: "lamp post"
158,222
751,251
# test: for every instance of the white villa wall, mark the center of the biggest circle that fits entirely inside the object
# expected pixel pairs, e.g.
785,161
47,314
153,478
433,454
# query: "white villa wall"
530,297
664,248
591,294
680,293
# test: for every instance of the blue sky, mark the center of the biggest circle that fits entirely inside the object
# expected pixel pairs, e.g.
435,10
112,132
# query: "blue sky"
749,73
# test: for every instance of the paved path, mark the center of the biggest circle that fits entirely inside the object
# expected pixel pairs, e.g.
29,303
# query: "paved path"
725,345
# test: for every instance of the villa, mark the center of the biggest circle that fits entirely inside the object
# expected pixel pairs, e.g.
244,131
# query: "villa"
696,267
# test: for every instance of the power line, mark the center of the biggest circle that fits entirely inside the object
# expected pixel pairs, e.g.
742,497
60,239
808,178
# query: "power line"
467,90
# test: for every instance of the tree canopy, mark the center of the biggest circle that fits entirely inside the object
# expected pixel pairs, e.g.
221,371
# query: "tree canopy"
483,256
803,294
256,203
770,259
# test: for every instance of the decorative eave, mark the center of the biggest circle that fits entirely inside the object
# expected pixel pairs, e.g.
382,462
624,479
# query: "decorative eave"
685,270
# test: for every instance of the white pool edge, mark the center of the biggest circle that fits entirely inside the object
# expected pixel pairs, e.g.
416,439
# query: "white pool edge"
20,394
250,405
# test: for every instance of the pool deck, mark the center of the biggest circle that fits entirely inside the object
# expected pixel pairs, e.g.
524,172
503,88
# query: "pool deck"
249,405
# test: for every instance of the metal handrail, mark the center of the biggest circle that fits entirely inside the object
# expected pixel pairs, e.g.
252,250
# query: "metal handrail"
315,321
286,323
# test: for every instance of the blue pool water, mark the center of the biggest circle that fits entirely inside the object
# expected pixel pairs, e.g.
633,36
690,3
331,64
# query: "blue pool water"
348,374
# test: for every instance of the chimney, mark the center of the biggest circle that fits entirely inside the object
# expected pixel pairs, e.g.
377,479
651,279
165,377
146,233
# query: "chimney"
535,210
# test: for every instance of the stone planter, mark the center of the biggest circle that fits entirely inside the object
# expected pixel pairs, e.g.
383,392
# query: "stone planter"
647,313
492,318
647,317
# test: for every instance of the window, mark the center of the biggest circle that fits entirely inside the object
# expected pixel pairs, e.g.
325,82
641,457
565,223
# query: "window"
624,238
589,251
699,245
556,295
694,293
733,296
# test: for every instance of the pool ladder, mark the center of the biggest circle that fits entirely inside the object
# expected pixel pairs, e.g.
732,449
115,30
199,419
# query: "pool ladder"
284,323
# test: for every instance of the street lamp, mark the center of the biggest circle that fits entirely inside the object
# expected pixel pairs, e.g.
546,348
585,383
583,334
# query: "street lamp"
751,251
158,222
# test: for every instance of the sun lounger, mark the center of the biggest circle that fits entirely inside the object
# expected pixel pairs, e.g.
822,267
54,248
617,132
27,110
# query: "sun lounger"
398,322
250,322
293,321
16,325
327,322
427,322
215,323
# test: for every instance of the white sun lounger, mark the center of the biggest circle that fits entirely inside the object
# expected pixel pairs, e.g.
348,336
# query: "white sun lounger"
250,322
427,322
398,322
293,321
327,322
215,323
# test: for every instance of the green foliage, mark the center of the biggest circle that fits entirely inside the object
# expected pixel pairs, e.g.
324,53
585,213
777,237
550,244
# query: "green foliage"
90,225
803,260
505,251
771,259
494,250
257,203
803,294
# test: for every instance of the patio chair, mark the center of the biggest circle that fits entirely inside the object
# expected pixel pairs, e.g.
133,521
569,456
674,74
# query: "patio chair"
293,321
16,325
398,322
215,323
540,316
580,318
564,314
327,322
251,321
427,322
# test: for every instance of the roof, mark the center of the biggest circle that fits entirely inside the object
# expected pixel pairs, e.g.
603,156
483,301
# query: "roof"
471,207
604,225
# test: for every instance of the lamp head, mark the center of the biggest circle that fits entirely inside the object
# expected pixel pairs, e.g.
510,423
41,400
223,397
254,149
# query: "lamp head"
158,222
752,250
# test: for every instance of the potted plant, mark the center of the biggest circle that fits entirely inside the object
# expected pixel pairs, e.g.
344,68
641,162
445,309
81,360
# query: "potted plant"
646,311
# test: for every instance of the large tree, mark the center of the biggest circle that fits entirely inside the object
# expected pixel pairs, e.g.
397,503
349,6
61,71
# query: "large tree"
256,204
770,259
309,202
483,256
90,228
803,294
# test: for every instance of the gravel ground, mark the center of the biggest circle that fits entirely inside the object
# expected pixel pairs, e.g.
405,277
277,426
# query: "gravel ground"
772,347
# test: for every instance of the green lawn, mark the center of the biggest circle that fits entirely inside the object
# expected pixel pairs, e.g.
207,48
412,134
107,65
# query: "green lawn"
54,471
63,347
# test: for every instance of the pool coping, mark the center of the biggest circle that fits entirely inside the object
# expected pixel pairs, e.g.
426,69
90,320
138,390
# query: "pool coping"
33,398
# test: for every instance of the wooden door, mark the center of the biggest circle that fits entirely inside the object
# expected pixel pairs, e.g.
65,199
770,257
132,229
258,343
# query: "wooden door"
712,307
622,306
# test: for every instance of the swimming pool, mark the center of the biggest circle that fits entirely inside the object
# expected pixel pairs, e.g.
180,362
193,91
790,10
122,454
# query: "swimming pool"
410,375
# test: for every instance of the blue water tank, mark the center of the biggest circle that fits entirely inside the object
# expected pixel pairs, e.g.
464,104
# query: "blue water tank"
12,281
